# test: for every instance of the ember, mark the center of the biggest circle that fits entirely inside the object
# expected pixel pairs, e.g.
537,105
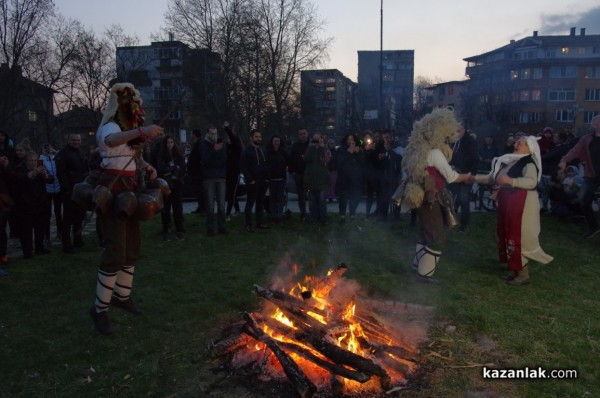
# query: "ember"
322,338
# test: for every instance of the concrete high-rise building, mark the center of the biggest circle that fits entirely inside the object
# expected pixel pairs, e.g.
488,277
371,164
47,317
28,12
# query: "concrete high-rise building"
534,82
181,87
386,86
328,102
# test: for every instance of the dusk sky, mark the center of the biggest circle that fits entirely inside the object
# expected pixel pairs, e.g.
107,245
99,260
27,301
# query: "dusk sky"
441,33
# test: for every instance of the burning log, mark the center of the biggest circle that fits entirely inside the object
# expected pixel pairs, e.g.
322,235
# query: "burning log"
345,357
329,366
303,385
325,284
230,344
391,349
287,300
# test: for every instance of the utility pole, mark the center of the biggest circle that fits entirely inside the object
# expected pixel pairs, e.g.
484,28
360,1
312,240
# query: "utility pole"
382,118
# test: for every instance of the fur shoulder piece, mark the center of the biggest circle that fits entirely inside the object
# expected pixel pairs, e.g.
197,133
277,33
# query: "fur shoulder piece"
433,131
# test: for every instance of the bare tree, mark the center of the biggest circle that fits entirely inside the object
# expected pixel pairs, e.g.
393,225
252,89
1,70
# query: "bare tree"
263,45
20,21
291,29
422,96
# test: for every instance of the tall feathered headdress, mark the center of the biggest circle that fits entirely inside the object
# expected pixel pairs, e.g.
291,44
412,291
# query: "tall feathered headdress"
124,107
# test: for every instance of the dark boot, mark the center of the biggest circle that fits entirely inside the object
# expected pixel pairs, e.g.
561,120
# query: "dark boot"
101,321
126,305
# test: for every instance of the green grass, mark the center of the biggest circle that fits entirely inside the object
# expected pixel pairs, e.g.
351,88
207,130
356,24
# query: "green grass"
191,290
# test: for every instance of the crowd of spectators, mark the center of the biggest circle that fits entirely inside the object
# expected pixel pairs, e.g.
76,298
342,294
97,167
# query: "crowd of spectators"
34,185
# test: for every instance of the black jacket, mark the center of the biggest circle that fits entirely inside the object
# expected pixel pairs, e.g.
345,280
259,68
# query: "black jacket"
214,163
465,157
296,164
253,164
278,162
71,168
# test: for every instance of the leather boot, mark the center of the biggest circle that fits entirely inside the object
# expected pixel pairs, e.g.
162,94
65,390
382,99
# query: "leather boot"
522,278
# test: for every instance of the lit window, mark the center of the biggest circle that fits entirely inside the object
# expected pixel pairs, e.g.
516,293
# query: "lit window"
564,51
32,116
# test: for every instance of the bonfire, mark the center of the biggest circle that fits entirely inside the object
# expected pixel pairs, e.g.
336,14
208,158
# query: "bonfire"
321,335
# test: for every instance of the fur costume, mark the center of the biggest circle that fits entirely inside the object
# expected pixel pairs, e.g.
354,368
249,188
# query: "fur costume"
425,164
434,131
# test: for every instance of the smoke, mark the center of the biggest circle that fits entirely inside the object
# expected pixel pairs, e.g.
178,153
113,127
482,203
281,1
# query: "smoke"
561,23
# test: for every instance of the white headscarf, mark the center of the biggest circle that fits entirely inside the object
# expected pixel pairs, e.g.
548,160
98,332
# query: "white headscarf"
510,158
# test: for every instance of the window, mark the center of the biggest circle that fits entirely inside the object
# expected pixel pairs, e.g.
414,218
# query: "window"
588,116
592,94
523,117
561,72
330,88
536,73
514,96
524,95
564,115
561,94
164,93
550,54
592,72
564,50
596,50
581,50
450,90
32,116
514,74
536,95
534,117
525,74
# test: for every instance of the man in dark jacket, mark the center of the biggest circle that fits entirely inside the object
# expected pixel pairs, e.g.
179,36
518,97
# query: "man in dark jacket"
214,172
464,160
296,168
71,168
253,165
194,169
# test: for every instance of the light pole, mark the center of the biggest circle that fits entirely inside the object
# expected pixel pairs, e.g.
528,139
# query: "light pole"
381,113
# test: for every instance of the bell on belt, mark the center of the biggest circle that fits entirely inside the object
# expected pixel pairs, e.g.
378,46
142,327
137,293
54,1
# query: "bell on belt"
450,217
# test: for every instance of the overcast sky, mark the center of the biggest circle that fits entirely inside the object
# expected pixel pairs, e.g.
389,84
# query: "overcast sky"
442,33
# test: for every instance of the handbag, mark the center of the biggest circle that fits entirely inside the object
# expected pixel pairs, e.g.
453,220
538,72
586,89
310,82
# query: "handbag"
6,201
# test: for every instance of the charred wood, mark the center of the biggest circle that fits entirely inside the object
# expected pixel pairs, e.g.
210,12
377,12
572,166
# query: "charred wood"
230,344
296,376
329,366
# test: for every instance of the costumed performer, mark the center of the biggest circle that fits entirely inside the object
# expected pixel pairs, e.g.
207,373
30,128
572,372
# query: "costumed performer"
119,133
518,208
426,164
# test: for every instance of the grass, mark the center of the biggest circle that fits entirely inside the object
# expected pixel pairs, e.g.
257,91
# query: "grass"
190,290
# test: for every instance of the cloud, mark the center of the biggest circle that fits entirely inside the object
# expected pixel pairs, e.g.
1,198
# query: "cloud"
561,23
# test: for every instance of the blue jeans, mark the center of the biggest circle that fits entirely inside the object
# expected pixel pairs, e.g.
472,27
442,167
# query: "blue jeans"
462,200
317,205
214,188
301,192
349,198
590,185
255,196
277,198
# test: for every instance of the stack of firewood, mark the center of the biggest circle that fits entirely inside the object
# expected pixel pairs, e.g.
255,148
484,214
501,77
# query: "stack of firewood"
318,335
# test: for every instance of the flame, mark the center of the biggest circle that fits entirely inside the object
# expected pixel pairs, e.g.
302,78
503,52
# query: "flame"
343,329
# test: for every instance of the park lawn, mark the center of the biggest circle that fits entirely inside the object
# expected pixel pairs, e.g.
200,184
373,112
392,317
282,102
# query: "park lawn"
190,290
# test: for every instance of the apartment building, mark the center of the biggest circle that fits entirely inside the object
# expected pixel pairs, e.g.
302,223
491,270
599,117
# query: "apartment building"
534,82
328,102
386,86
181,87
